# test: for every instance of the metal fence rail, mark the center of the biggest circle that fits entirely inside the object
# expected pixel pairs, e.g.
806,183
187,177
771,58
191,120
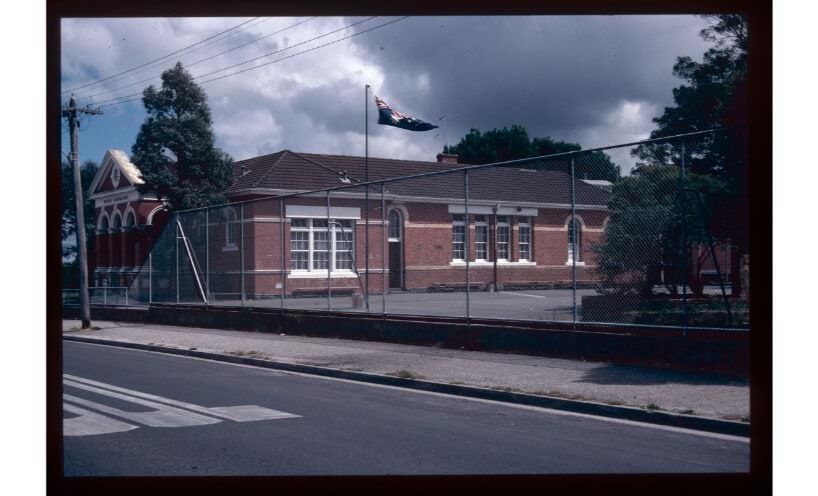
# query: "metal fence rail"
639,234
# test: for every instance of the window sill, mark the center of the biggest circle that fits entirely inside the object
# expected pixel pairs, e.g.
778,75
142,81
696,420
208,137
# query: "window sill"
230,248
486,263
571,262
321,274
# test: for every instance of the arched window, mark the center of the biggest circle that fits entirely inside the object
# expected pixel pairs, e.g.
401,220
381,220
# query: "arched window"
117,222
129,219
230,228
574,241
103,223
394,226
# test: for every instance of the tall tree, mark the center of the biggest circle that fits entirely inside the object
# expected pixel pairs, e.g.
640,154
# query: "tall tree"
713,96
69,210
703,100
175,148
500,145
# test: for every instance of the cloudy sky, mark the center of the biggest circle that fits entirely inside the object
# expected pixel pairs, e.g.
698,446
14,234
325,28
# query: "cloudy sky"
595,80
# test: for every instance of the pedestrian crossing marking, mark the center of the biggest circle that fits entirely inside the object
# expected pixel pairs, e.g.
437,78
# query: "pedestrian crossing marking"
165,412
89,423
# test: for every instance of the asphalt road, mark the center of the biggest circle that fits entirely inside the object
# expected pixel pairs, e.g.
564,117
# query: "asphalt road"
129,412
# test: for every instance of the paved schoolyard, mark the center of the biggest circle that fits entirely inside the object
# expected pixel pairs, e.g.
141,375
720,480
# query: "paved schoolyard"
552,305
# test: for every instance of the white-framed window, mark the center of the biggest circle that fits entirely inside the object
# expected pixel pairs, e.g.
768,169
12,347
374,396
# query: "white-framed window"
458,238
230,228
313,247
394,225
481,238
574,240
503,236
524,235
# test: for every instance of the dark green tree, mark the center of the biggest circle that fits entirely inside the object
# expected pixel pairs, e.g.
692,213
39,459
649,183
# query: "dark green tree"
497,145
500,145
175,148
643,236
69,210
703,100
712,96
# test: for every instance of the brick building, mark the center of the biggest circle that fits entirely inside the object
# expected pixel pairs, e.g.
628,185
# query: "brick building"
519,227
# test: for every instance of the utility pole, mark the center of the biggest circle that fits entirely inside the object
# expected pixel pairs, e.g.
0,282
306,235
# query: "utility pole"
70,113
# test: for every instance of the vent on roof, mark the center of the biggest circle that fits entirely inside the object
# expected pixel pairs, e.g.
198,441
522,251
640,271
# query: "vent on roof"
244,170
345,177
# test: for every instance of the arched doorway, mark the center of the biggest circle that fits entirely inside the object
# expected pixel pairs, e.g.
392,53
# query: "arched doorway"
395,250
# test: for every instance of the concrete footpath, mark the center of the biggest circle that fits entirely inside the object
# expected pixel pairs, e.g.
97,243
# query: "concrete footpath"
683,399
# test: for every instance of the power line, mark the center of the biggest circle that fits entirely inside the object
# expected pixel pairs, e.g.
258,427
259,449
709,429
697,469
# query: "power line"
160,58
152,66
138,95
287,48
251,60
200,60
299,53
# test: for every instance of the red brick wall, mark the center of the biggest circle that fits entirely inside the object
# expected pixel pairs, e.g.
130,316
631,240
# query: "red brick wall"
427,247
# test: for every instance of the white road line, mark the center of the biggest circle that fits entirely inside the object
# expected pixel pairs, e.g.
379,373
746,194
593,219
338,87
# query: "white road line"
240,413
529,295
90,423
613,420
166,417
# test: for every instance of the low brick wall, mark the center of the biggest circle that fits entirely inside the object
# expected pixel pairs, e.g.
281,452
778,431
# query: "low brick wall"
701,351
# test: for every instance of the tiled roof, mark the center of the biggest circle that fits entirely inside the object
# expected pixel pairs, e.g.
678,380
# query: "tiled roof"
287,170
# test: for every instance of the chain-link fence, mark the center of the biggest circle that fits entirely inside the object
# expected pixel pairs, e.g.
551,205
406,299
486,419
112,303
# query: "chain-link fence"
652,233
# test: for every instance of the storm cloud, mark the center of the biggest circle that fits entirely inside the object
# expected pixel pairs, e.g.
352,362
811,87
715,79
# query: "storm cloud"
596,80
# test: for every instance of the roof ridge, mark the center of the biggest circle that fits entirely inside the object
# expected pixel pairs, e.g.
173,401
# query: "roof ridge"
271,168
370,158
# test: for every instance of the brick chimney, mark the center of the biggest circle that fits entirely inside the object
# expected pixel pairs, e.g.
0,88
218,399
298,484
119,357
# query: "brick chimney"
447,158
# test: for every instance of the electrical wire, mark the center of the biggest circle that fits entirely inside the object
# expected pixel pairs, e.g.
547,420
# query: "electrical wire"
138,95
153,66
251,60
160,58
188,66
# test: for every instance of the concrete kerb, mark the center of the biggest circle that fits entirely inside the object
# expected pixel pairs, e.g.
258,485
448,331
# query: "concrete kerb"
718,426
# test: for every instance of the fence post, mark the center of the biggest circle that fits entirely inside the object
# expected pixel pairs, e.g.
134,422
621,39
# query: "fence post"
574,254
207,255
105,297
684,241
384,236
329,258
283,258
467,248
176,250
241,234
150,276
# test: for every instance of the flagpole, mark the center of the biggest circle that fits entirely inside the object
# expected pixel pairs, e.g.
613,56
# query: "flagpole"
366,180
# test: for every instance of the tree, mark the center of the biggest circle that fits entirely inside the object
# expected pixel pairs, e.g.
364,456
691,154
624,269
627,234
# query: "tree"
712,92
69,210
643,236
500,145
497,145
702,102
175,148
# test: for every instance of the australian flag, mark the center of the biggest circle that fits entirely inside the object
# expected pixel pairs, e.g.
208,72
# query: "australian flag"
394,118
